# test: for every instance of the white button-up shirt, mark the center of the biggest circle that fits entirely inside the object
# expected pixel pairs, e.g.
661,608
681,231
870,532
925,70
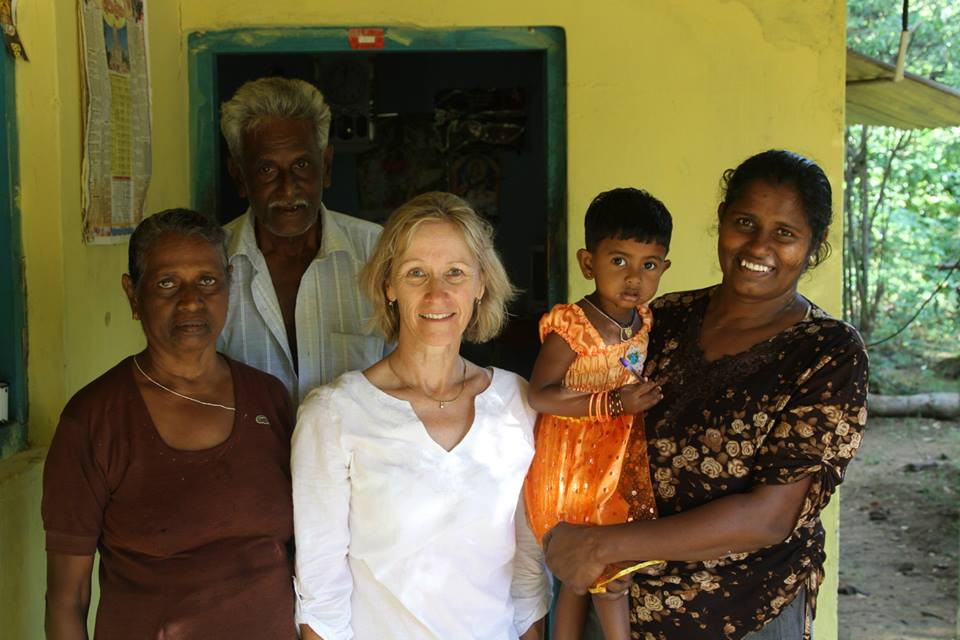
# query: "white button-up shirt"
398,538
334,333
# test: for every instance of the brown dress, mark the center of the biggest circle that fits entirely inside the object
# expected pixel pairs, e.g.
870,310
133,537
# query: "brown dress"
193,544
576,467
788,408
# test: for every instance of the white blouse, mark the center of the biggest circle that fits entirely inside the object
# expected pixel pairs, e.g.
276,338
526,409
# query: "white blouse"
399,538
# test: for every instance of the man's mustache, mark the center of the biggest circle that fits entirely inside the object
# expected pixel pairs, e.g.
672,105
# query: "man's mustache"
284,204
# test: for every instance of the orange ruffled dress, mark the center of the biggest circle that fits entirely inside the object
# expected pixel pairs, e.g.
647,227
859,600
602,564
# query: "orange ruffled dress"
576,468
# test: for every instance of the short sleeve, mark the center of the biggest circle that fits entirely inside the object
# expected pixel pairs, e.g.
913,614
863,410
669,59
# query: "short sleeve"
820,425
75,491
566,322
284,406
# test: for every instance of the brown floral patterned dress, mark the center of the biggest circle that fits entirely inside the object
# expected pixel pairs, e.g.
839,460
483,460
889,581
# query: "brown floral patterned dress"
789,407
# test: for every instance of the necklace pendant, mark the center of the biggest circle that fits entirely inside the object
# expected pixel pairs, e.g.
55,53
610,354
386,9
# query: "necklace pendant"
625,331
442,404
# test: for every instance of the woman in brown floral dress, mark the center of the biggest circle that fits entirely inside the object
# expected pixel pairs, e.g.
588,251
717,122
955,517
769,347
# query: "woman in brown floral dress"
764,406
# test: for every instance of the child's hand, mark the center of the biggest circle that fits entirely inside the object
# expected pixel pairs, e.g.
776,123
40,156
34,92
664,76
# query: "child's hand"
616,589
639,397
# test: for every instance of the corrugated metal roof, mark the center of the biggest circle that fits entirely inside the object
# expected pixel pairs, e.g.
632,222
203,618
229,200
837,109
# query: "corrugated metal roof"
912,103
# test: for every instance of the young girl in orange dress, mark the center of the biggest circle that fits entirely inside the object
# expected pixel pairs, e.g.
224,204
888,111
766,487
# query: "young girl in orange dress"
588,387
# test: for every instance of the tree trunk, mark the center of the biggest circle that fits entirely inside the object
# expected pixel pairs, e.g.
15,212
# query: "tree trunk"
880,249
926,405
863,270
849,250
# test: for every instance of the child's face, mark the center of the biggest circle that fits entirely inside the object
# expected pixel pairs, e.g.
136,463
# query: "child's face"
627,271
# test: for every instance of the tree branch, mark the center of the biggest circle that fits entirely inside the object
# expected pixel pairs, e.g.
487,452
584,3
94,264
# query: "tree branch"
903,139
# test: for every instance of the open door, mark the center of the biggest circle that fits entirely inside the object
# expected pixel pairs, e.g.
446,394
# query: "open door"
477,112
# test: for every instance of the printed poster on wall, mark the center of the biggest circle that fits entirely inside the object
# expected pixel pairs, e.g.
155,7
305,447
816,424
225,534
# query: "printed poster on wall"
116,99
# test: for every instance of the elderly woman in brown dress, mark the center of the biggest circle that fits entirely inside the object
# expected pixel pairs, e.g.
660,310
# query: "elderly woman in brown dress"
174,465
763,408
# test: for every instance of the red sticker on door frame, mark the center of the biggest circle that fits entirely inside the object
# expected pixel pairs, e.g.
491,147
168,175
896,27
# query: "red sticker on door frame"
365,38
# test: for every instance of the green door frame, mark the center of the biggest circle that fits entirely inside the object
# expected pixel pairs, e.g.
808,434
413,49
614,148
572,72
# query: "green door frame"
13,364
204,47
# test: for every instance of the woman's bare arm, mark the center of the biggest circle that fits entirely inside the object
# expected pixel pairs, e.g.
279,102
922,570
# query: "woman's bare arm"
737,523
306,633
68,596
548,395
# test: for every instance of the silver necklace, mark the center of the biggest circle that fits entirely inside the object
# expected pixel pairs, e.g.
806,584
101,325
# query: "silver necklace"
441,403
625,331
179,395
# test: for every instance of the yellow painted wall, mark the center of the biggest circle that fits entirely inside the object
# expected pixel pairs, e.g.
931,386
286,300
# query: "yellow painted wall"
664,95
78,321
21,557
660,94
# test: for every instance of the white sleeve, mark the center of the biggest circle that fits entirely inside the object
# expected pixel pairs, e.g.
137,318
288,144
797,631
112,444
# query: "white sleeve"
320,471
531,586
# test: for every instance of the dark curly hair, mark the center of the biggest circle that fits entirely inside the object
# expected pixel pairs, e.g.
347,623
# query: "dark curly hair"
779,167
629,214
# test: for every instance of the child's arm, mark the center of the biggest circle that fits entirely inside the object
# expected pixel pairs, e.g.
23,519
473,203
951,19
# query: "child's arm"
570,615
614,617
548,395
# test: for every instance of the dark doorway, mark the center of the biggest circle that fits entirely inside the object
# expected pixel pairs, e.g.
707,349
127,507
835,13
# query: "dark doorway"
476,123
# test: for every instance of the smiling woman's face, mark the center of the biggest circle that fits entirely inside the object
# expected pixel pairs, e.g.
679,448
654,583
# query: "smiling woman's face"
764,242
435,283
181,299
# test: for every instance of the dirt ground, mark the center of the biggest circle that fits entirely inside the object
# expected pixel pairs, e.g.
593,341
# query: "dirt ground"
899,538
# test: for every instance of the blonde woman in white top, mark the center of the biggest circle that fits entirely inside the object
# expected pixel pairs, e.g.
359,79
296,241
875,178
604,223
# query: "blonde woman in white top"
407,476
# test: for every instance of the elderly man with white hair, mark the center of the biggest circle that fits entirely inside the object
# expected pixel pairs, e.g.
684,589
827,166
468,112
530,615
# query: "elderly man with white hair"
295,308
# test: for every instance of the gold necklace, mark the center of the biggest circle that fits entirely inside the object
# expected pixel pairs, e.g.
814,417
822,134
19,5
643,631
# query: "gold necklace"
441,403
179,395
625,331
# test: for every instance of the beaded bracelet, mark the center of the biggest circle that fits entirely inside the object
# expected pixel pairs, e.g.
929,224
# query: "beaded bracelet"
615,404
603,405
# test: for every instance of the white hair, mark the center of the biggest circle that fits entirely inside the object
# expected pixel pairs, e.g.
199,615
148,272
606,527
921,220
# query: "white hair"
272,98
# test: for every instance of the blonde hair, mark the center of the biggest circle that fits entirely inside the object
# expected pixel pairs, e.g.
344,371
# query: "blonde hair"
272,97
490,313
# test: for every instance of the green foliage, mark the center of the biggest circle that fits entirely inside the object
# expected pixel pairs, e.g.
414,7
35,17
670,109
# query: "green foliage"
914,230
873,28
911,197
895,370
